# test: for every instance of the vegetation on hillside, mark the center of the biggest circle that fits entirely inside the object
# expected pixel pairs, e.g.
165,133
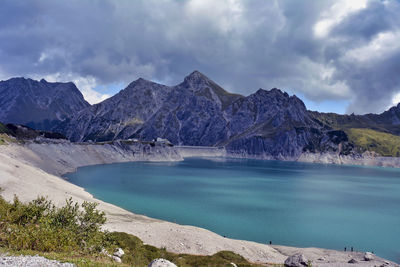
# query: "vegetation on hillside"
380,123
382,143
22,132
4,139
73,233
3,129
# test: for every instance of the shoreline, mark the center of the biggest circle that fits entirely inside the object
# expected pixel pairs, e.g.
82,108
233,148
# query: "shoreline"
31,169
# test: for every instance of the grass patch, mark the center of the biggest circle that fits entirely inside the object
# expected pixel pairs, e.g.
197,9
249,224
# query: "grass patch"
6,139
72,234
385,144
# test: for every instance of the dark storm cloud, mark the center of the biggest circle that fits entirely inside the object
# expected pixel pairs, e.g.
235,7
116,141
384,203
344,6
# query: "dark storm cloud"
243,45
369,60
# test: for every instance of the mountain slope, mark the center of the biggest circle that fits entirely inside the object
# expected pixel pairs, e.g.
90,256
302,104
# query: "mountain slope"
388,121
120,115
193,113
40,105
267,123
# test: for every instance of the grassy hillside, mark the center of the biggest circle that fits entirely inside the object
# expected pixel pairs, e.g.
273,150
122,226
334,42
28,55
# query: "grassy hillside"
367,139
342,122
369,132
4,134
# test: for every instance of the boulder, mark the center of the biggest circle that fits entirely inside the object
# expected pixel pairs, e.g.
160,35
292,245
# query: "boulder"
117,259
352,261
119,252
161,263
368,256
296,260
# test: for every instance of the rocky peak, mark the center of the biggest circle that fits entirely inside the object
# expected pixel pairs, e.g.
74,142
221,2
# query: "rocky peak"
273,96
298,102
196,75
394,114
138,82
273,92
196,80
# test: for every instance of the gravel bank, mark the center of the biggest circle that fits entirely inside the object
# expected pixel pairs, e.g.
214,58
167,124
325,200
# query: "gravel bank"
31,261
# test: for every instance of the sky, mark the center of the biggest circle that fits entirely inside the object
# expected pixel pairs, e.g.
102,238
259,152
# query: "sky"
339,56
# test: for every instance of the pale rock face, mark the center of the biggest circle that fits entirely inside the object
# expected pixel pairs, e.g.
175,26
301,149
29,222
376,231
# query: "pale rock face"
40,105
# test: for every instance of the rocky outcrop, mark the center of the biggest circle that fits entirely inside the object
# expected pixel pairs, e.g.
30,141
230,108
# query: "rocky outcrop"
368,256
161,263
269,124
366,159
119,252
296,260
40,105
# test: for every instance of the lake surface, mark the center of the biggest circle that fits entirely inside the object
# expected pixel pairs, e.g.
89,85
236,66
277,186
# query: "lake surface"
288,203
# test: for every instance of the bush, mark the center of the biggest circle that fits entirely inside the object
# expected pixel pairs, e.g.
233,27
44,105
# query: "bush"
41,226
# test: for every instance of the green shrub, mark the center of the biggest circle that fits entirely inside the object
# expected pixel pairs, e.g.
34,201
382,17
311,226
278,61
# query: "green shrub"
41,226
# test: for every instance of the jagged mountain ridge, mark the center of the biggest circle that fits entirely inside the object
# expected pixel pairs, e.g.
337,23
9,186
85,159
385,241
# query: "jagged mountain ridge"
198,111
38,104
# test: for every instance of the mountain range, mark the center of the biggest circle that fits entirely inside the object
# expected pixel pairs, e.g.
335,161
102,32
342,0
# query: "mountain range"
267,123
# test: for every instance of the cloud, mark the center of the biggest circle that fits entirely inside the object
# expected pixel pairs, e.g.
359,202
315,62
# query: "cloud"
325,50
335,15
395,99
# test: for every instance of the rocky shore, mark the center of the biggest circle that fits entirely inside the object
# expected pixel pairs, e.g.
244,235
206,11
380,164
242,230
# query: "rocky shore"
365,159
33,169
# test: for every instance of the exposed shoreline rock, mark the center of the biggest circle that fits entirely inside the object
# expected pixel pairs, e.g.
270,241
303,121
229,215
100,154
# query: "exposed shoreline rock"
365,159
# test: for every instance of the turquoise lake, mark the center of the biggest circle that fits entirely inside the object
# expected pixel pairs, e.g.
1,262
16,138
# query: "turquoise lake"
288,203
